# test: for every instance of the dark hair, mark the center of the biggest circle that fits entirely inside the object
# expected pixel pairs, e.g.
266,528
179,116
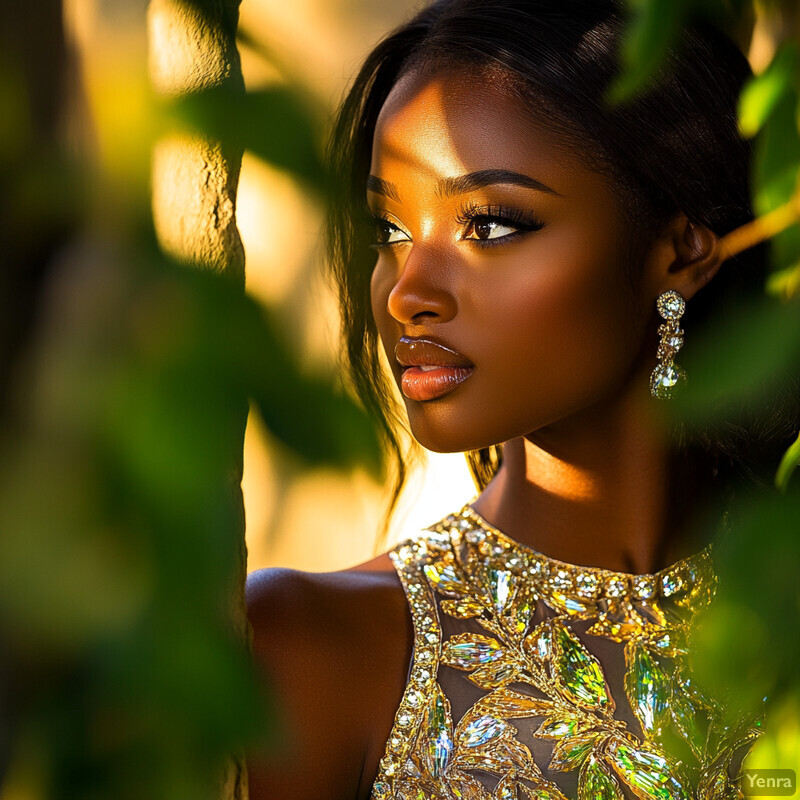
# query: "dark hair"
673,148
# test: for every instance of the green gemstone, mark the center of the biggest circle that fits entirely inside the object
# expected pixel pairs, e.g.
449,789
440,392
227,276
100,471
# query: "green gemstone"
579,672
648,774
596,782
647,687
570,752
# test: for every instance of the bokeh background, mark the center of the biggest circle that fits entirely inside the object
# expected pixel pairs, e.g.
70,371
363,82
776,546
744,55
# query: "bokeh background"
320,520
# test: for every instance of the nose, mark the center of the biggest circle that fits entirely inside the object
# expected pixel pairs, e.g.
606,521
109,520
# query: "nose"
423,290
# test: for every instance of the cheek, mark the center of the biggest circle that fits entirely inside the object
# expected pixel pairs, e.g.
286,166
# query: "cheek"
566,330
379,293
381,284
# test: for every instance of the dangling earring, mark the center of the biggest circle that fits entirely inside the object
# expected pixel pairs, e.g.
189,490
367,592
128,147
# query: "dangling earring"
668,374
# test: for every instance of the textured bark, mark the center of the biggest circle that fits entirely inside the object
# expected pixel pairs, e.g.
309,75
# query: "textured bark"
192,49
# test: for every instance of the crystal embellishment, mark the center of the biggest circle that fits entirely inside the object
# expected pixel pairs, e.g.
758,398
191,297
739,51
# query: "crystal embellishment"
667,375
644,586
524,630
616,587
587,584
671,305
664,379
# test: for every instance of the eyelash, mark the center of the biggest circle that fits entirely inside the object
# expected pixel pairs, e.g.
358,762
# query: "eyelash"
524,222
470,214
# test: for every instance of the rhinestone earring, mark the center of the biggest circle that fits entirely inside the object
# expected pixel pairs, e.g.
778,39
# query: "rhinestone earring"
667,374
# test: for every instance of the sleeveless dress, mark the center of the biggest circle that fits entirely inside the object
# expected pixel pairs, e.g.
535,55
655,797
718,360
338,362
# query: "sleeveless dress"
534,678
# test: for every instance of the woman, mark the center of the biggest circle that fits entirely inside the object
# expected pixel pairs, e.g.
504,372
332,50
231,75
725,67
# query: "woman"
533,251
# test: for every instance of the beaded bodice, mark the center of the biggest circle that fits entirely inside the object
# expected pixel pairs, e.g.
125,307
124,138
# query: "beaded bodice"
534,678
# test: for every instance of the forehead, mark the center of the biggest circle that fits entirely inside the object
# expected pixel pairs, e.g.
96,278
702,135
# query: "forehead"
450,122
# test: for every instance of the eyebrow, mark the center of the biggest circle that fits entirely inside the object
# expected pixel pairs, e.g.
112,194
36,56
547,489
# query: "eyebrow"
380,186
449,187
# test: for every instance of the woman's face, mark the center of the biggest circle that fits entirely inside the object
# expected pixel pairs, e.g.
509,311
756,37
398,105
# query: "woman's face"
501,260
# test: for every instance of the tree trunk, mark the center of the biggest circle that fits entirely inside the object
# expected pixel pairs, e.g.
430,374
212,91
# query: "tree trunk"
193,49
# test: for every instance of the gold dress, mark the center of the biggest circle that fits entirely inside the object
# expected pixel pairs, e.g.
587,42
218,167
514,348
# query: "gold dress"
534,678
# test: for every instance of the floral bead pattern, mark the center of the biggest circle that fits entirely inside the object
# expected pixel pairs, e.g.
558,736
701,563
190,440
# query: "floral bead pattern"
538,682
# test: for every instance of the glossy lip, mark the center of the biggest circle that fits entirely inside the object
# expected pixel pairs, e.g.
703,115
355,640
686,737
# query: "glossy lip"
447,368
423,351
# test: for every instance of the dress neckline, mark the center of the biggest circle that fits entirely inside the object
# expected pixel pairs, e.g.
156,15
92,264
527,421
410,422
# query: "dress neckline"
582,581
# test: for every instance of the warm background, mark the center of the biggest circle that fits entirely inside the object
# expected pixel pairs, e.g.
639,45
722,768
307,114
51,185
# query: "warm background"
321,520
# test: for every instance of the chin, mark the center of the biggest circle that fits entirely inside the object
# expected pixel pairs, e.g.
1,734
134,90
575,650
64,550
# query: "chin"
450,438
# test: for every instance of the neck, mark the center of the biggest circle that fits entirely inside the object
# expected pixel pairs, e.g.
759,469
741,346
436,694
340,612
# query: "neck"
594,490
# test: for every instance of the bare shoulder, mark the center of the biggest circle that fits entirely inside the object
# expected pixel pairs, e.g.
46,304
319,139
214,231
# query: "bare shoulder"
333,650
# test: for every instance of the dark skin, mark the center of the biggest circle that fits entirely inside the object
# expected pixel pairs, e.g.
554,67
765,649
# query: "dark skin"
528,284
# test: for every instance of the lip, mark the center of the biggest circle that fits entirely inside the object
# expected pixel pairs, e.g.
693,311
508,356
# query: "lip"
430,369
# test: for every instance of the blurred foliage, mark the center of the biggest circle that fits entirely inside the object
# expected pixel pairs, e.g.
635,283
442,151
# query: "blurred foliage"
653,26
278,124
115,586
749,640
120,509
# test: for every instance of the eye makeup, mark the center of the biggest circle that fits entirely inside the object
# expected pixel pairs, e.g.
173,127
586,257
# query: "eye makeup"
483,220
478,222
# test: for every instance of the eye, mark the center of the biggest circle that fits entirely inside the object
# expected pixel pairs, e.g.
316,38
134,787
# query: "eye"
387,233
485,228
496,224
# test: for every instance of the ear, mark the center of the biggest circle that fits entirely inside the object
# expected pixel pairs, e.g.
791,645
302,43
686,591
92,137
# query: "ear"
684,258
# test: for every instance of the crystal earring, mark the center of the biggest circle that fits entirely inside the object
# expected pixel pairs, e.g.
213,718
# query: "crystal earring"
667,374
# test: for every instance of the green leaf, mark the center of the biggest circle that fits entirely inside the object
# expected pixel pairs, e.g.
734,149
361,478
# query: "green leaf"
213,341
748,641
762,93
273,123
777,156
789,462
785,283
652,27
740,360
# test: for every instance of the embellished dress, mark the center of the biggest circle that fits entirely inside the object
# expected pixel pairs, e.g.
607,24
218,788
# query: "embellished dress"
534,678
